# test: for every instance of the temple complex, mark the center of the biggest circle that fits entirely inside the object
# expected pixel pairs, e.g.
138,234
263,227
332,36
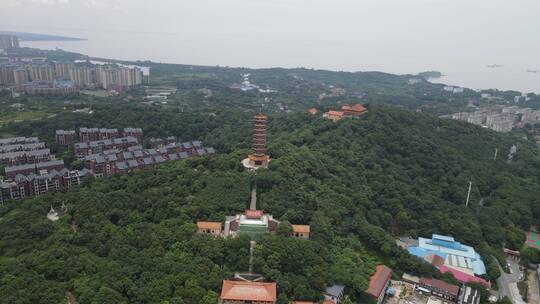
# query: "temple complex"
346,111
259,158
254,223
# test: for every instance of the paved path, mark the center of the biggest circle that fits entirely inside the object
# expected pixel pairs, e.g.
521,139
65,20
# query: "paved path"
534,294
253,205
251,249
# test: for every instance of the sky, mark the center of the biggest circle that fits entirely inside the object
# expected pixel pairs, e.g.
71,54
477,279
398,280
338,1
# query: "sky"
400,36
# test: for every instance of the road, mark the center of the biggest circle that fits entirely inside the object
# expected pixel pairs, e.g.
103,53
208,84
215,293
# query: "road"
507,283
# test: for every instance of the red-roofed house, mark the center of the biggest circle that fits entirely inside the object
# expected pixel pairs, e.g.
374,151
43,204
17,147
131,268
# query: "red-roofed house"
209,227
240,292
312,111
440,289
379,282
300,231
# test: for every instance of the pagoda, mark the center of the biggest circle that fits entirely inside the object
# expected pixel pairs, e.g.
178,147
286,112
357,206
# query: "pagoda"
259,158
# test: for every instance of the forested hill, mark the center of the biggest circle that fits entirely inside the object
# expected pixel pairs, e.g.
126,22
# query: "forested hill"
358,183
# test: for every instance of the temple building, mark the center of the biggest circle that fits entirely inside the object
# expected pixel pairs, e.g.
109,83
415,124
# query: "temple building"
354,110
259,158
300,231
254,223
244,292
213,228
346,111
333,115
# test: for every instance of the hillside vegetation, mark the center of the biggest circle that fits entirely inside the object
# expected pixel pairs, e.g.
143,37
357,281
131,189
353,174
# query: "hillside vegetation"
358,183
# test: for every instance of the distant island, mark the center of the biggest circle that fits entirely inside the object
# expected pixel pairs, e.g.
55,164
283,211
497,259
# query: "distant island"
430,74
39,37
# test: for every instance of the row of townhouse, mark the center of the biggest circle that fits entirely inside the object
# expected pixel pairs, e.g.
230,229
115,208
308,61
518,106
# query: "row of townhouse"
36,168
18,140
84,149
22,147
120,162
32,184
85,135
25,157
160,142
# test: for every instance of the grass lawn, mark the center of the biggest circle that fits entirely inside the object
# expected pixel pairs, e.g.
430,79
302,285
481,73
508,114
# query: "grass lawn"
22,116
95,93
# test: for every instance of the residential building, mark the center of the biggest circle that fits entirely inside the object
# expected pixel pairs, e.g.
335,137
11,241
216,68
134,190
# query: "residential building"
121,160
160,142
62,70
83,76
22,147
20,78
134,132
18,140
213,228
439,289
45,88
105,133
41,72
32,184
88,134
25,157
469,295
300,231
13,171
117,77
378,283
6,74
83,149
245,292
65,137
334,294
8,41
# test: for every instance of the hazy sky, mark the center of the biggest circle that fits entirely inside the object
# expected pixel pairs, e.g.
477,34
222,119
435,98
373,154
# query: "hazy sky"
399,36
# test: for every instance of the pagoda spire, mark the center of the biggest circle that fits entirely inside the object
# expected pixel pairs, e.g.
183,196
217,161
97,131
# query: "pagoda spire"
259,157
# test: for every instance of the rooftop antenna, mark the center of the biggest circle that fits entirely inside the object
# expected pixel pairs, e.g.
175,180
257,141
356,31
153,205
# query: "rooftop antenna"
468,194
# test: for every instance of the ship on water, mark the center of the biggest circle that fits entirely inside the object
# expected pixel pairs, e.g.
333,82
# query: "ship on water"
532,71
494,66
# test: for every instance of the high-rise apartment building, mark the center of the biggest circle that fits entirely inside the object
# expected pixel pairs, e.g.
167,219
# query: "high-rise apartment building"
82,76
62,70
9,41
41,72
20,77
